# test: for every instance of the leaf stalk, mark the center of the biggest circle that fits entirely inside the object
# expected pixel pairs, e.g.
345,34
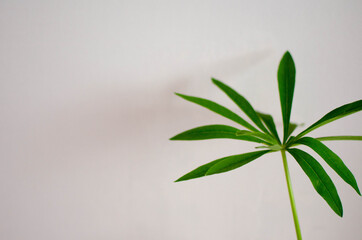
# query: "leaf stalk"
291,195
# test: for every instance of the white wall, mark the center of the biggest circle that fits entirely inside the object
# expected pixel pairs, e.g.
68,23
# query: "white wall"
87,108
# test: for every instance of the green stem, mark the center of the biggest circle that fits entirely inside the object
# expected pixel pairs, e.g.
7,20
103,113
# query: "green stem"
291,196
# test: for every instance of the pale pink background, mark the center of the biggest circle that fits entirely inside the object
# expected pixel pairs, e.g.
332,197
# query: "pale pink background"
87,107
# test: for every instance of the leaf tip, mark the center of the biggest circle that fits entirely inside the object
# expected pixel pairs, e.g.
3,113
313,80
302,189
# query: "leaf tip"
215,81
357,190
287,54
181,179
287,57
173,138
340,211
341,214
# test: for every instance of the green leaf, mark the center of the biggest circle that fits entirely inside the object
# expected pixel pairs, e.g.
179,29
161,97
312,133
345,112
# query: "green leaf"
286,82
198,172
270,140
215,131
233,162
243,104
319,178
292,127
333,115
275,147
332,159
333,138
260,135
217,108
269,122
239,160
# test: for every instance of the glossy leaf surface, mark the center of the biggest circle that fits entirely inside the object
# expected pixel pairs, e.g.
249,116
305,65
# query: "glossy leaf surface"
319,178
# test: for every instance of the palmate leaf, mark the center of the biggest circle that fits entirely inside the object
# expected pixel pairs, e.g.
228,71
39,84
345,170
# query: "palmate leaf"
221,165
263,130
331,159
217,108
333,115
218,131
243,104
286,83
319,178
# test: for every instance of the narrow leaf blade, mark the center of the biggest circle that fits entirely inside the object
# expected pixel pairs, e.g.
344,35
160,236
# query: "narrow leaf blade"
333,115
243,104
217,108
260,135
286,83
213,132
269,122
292,127
204,169
319,178
198,172
332,160
336,138
233,162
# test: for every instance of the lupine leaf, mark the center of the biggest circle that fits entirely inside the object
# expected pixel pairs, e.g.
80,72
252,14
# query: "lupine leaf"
332,159
260,135
243,104
233,162
319,178
292,127
333,138
270,141
198,172
236,160
286,82
269,122
217,108
333,115
216,131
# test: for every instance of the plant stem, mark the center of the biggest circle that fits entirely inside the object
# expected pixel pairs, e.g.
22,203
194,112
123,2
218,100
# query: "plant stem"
291,196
